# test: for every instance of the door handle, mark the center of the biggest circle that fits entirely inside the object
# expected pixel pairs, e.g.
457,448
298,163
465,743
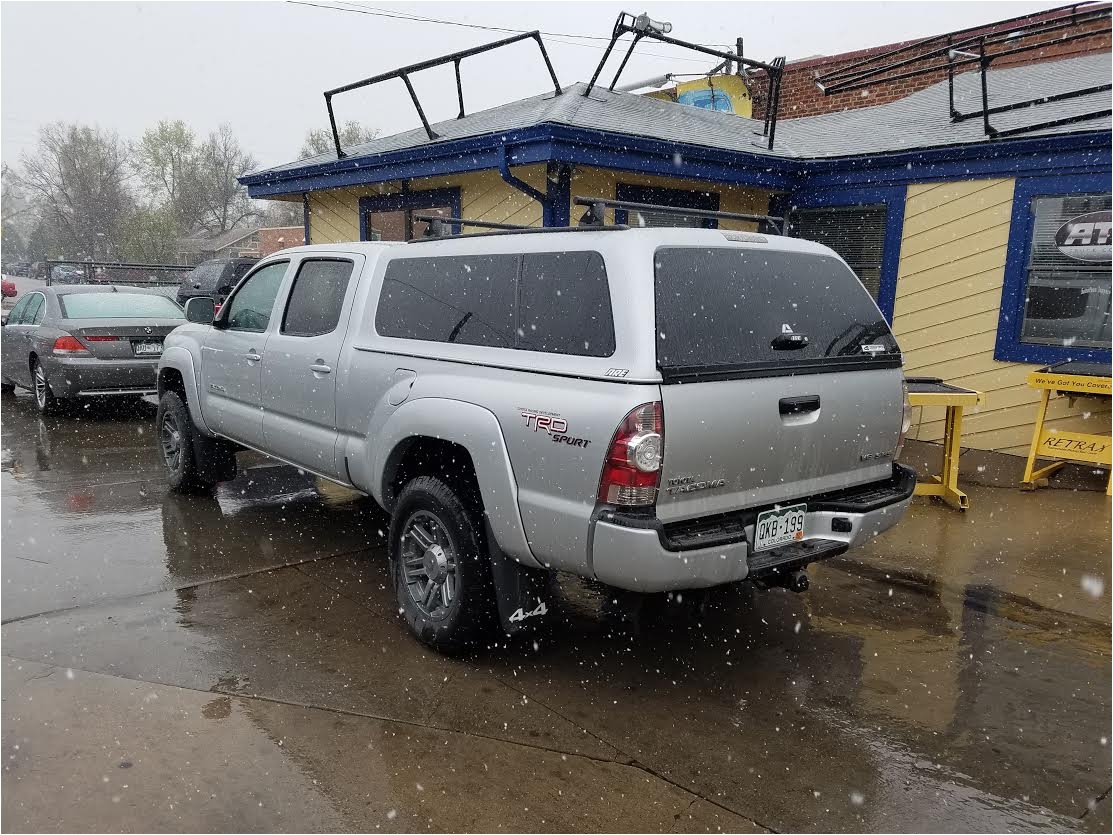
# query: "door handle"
320,368
252,356
799,405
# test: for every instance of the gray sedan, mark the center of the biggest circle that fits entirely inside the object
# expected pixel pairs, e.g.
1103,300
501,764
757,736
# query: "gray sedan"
85,341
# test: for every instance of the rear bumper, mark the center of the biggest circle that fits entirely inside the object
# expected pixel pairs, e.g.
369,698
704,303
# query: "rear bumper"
646,556
86,377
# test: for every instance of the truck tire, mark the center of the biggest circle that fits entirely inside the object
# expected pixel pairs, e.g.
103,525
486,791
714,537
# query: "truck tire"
441,569
193,463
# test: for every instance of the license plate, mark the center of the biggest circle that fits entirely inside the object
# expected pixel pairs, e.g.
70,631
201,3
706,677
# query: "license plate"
147,347
779,527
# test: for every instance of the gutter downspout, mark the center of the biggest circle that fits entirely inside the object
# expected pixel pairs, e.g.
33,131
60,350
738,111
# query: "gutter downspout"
521,185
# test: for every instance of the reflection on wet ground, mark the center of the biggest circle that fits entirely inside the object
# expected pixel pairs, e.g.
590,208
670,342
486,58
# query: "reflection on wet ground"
236,662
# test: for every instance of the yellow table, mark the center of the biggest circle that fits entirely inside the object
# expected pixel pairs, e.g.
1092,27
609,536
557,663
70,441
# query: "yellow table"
930,391
1070,379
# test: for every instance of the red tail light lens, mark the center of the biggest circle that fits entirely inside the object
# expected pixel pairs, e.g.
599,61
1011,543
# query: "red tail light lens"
632,469
69,345
102,338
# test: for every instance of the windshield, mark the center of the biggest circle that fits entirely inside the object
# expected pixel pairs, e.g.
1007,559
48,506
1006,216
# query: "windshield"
728,307
118,306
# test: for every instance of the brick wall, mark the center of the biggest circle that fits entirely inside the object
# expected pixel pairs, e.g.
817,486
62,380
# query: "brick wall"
279,237
801,97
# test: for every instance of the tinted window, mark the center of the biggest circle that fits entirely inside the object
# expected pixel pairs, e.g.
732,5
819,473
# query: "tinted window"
35,310
118,306
565,305
464,299
740,307
205,277
316,297
250,309
16,316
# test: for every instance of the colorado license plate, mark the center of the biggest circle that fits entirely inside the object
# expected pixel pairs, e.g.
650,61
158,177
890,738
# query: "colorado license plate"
779,527
147,347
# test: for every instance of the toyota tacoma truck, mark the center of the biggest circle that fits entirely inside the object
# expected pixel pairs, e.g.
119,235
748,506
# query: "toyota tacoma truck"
655,409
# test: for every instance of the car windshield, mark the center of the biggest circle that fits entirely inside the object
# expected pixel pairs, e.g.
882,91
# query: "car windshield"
118,306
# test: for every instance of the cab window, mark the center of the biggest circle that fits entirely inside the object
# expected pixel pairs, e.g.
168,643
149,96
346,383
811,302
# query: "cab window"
316,297
250,309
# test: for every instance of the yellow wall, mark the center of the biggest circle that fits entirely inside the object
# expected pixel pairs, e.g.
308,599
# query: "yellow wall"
334,215
952,266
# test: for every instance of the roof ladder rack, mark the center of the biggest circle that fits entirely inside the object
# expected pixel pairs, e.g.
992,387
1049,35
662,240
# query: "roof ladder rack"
596,206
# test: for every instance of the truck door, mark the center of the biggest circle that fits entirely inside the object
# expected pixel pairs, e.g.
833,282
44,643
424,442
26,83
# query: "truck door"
231,357
299,370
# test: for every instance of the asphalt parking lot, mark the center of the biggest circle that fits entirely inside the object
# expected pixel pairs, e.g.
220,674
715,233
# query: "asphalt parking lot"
236,662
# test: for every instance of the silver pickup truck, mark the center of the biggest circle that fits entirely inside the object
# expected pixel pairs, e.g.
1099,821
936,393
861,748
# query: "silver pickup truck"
656,409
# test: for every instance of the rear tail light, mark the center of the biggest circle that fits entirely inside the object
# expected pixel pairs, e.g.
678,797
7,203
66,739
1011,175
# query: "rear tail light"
632,469
69,345
905,422
101,338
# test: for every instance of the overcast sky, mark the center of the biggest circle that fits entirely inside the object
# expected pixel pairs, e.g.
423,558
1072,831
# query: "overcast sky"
262,66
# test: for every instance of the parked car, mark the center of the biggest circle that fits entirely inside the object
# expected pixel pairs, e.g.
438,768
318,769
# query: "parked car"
19,269
8,289
656,409
214,278
84,341
67,274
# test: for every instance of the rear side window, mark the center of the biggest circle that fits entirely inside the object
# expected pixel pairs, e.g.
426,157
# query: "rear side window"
33,315
553,302
204,276
463,299
118,306
565,305
739,308
316,298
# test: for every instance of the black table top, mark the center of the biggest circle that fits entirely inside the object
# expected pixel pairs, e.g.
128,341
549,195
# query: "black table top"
1081,369
933,385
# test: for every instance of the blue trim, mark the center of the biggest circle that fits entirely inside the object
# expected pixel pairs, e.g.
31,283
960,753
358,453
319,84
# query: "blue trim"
893,197
427,199
1014,290
305,215
677,197
558,208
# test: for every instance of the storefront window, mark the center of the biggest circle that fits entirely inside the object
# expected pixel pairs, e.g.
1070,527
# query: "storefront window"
1067,291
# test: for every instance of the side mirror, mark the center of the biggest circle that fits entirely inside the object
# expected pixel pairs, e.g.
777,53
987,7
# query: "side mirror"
200,310
3,320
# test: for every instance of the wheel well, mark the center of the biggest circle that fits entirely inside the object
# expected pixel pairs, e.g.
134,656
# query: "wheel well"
170,379
425,456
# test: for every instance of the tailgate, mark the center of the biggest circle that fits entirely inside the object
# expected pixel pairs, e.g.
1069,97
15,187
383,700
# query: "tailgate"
734,444
781,378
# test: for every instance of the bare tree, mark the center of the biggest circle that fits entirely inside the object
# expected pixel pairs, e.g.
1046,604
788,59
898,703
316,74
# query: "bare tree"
168,161
224,201
78,181
319,141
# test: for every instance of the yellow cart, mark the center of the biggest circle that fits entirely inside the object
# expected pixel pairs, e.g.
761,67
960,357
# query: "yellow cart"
1067,379
931,391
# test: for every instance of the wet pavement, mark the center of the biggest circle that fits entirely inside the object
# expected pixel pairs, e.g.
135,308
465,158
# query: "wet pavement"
236,662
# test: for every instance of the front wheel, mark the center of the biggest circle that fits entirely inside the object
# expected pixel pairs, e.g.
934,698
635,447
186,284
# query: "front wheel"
193,463
441,570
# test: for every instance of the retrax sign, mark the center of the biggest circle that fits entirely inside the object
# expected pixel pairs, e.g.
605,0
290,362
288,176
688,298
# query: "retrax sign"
1086,237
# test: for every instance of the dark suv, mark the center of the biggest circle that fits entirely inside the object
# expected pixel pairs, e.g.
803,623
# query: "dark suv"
214,278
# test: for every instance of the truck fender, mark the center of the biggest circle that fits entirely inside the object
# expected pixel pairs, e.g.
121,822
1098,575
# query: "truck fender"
181,360
478,431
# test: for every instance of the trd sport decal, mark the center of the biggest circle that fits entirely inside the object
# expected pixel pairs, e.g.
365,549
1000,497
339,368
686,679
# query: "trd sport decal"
556,427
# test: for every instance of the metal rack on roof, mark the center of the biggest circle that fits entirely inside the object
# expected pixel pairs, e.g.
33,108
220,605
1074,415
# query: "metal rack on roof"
957,50
454,58
642,26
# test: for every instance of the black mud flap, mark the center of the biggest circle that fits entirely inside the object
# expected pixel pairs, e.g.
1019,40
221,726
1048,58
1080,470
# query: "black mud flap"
522,592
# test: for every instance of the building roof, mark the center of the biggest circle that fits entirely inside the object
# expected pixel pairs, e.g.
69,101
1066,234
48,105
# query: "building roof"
215,243
921,120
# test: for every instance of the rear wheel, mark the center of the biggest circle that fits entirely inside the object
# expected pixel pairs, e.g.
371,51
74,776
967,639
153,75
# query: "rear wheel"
442,573
47,403
6,387
193,463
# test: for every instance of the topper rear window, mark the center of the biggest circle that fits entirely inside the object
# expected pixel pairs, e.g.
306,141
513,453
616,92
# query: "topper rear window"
727,308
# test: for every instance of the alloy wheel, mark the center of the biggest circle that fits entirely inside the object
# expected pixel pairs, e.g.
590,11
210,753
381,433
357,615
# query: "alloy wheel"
170,439
429,562
40,386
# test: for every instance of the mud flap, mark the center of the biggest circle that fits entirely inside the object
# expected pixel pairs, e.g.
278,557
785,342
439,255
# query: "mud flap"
524,599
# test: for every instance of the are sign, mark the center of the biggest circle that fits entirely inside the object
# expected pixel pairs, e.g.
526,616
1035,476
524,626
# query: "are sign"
1087,237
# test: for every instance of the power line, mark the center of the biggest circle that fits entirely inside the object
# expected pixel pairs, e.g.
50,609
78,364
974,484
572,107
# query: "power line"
555,37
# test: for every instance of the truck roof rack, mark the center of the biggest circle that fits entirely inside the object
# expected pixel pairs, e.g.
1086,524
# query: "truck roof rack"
596,206
438,228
